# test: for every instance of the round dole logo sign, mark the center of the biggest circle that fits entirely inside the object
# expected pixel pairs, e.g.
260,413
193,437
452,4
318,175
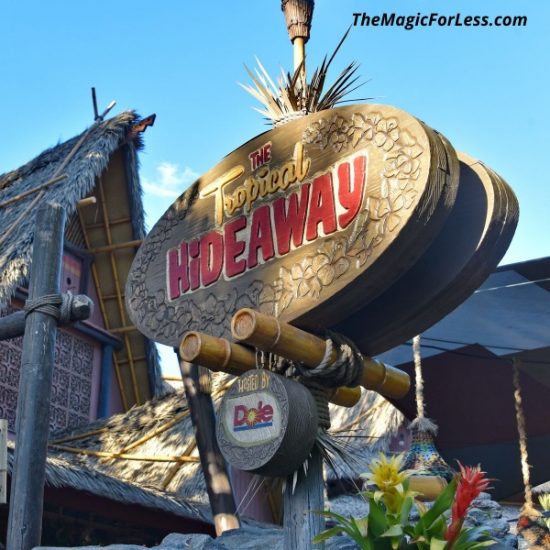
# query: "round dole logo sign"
252,419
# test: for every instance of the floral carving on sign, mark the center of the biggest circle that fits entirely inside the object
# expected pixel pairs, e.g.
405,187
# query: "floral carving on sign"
380,214
335,256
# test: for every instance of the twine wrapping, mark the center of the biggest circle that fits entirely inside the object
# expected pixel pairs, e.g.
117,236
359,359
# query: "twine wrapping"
58,306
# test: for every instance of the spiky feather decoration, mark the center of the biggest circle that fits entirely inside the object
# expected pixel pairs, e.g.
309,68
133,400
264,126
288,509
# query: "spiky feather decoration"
293,97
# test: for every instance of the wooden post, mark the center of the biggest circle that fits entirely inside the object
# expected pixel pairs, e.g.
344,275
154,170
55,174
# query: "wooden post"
33,403
302,520
217,480
105,382
3,460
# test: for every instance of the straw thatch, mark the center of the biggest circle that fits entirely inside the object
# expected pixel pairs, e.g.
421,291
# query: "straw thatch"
158,429
88,163
364,430
21,187
63,473
163,428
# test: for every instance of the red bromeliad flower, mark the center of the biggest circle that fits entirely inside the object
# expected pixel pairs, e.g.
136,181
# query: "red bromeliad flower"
471,483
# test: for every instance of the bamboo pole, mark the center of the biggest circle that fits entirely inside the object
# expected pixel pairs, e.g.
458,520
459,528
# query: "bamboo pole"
118,288
51,181
147,437
57,172
87,201
177,467
95,278
299,54
76,437
161,429
112,223
528,505
124,456
116,246
270,334
122,330
218,354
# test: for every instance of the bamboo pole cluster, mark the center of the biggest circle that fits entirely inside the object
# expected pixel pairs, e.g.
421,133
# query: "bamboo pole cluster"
271,335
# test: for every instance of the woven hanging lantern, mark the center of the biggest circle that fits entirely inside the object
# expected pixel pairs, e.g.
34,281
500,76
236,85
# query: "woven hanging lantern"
423,457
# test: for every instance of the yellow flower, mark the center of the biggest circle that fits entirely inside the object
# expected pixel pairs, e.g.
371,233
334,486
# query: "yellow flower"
386,474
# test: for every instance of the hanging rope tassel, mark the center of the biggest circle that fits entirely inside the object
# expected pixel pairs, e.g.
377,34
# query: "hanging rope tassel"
423,456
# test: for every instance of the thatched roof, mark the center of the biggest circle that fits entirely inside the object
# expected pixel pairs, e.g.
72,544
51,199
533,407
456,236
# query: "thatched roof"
84,160
159,429
62,473
87,164
364,429
162,428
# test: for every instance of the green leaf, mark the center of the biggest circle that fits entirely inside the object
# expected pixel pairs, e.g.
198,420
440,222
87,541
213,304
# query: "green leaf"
393,531
443,502
438,544
437,528
473,538
327,513
378,522
329,533
406,510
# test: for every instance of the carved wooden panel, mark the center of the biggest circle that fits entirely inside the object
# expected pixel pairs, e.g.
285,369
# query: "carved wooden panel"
308,222
71,386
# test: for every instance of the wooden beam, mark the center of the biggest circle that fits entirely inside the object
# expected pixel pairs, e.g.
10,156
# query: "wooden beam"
134,359
111,223
105,381
13,325
116,246
122,330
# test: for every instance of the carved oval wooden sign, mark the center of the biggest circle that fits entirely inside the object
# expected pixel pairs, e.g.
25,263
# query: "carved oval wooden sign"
472,241
267,424
308,222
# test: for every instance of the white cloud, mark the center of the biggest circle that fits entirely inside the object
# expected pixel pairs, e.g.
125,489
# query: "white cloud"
170,180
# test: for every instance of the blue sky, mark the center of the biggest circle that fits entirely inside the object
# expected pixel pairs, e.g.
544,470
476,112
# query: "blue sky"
486,89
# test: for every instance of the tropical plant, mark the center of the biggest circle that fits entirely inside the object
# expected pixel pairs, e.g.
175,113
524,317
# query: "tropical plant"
388,525
544,501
